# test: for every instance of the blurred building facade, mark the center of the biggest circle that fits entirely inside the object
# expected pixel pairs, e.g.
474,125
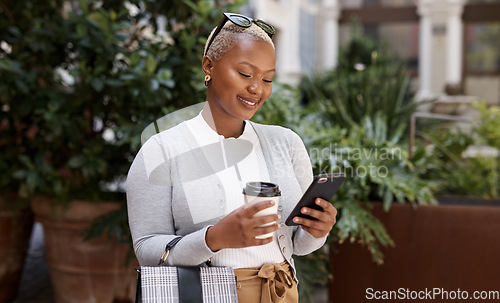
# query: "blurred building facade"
452,47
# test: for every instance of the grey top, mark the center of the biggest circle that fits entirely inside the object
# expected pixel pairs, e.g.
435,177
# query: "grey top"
171,166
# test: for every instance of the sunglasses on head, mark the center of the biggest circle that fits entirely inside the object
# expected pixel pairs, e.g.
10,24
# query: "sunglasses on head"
243,21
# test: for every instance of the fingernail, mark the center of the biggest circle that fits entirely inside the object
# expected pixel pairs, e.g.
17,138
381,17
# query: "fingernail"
318,201
296,220
279,217
304,210
271,202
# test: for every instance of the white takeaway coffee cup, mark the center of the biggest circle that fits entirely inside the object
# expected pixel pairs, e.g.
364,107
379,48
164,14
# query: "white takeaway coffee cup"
255,192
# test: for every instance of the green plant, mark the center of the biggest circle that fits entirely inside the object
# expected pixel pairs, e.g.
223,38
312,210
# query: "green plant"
368,82
488,130
368,98
377,166
354,120
378,169
70,96
282,108
443,157
81,83
488,127
27,61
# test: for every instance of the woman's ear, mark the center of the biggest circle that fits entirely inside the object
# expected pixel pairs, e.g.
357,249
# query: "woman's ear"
207,65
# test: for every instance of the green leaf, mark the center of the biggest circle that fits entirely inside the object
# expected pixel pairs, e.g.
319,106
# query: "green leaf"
76,161
150,65
20,174
192,5
114,82
97,84
155,84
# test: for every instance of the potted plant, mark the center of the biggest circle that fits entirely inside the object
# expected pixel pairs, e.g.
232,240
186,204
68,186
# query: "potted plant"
17,132
16,218
378,169
371,104
97,76
433,242
49,127
353,119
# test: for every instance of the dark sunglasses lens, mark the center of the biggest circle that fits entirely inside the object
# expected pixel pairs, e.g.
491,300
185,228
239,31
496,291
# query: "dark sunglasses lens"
240,20
269,29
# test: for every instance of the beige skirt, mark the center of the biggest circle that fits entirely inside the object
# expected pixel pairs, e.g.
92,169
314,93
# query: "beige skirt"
267,284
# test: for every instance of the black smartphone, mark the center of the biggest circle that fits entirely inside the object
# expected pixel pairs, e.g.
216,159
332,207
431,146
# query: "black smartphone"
323,186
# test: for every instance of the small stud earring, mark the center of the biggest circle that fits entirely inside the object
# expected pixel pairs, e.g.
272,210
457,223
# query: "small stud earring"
207,78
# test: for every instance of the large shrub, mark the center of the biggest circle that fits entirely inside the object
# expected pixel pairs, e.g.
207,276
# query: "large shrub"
354,119
80,83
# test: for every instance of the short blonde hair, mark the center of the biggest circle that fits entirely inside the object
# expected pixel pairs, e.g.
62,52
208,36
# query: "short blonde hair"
227,38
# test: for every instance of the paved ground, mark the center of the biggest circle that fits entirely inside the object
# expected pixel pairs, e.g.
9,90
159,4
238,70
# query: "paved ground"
35,283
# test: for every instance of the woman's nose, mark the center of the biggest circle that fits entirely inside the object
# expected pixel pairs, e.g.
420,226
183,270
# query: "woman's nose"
255,87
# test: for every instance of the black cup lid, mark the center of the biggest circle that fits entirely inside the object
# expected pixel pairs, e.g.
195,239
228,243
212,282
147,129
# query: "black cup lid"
261,189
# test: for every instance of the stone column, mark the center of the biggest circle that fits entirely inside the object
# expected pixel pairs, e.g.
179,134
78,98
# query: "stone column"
290,44
425,50
284,16
441,35
329,12
455,41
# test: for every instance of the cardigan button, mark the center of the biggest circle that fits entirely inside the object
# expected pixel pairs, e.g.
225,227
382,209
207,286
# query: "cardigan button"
284,250
282,237
280,208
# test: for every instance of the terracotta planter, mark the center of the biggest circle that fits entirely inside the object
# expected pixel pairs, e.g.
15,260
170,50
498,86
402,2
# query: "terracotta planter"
15,232
449,247
84,271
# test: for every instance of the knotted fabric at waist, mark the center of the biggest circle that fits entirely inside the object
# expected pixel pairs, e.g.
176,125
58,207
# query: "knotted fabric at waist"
275,280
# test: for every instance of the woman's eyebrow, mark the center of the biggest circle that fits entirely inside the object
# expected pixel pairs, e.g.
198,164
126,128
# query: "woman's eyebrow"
255,67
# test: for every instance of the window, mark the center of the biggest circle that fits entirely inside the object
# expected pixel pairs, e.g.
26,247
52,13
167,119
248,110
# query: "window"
483,47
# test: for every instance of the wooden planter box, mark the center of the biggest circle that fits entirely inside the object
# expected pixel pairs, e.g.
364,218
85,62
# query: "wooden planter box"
450,247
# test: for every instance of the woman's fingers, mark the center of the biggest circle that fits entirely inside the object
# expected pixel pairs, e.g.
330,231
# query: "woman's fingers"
240,228
258,221
262,230
315,224
253,209
326,219
327,206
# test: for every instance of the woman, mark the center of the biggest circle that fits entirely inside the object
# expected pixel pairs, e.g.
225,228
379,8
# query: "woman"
188,180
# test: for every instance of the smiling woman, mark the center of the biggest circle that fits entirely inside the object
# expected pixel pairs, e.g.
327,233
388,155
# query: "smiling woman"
187,181
241,81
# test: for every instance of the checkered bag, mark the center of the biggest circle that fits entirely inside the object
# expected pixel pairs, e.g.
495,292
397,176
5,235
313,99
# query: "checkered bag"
167,284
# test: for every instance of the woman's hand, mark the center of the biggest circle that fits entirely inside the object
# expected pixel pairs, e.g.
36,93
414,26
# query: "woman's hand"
326,219
239,228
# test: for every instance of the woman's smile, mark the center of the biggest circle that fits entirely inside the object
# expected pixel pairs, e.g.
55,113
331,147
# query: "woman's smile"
249,102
